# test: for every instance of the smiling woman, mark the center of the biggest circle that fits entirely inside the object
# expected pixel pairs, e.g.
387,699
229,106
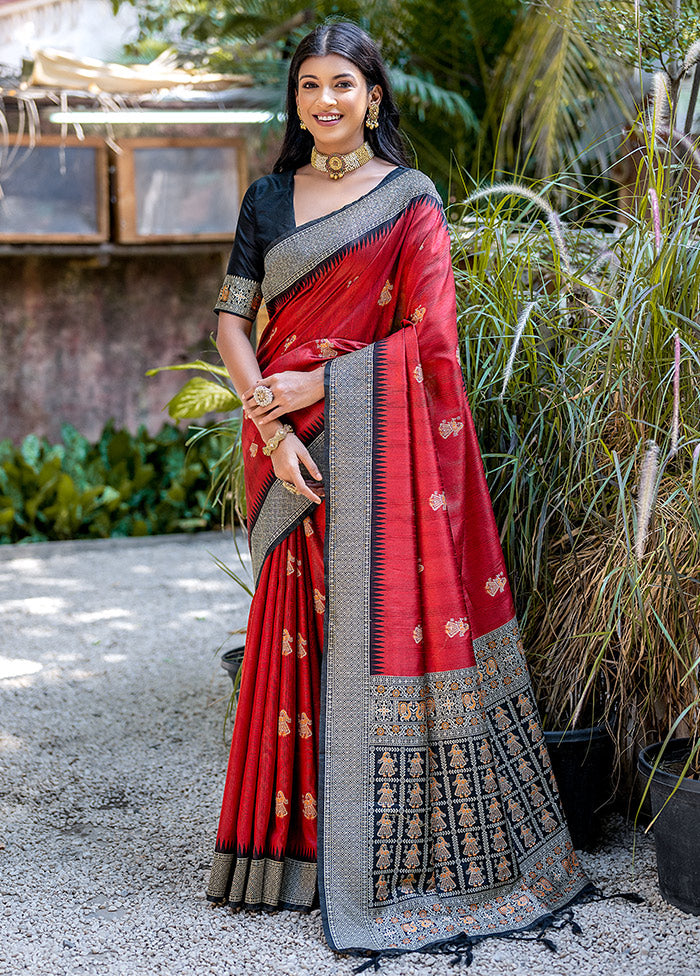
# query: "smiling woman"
387,759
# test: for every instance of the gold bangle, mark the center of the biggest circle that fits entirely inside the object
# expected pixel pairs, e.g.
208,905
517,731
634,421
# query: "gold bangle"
277,439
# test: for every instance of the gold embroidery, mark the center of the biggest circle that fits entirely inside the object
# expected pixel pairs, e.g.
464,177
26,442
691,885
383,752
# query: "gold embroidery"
308,527
418,314
418,634
253,449
286,642
283,724
454,627
304,726
385,296
386,795
384,857
290,564
281,803
496,584
381,888
449,427
289,341
301,646
387,765
418,373
319,601
240,296
326,349
308,803
437,501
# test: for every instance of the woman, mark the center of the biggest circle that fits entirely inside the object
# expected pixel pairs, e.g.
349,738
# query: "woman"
386,751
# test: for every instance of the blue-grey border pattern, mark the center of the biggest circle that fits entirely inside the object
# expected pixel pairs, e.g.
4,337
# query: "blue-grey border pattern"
280,513
297,254
346,790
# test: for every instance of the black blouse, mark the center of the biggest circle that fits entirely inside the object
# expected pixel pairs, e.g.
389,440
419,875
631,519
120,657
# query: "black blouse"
267,212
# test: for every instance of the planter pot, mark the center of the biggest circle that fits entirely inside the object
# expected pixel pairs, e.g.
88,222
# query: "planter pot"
231,662
676,831
582,760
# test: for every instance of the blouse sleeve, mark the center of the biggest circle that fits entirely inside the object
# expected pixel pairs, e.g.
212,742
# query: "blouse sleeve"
241,290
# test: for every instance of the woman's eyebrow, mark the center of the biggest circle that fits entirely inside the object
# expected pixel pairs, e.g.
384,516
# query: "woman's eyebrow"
345,74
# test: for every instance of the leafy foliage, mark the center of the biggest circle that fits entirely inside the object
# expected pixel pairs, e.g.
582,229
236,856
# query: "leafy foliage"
124,485
440,53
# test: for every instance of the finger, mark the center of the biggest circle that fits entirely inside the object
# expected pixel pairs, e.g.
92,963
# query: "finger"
304,489
310,464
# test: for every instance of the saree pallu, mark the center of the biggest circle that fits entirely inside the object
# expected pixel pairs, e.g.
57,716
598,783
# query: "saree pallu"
429,805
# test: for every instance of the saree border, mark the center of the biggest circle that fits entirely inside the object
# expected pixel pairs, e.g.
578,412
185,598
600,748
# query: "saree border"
310,245
542,875
280,513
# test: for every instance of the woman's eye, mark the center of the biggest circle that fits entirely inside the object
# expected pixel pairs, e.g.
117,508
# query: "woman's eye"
309,84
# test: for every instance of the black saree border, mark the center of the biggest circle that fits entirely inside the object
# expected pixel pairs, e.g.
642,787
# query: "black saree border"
308,250
523,870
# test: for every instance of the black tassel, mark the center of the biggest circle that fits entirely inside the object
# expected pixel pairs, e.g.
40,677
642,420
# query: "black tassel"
372,961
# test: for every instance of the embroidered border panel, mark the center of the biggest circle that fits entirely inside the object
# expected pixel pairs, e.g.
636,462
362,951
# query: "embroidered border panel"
280,513
240,296
296,255
438,811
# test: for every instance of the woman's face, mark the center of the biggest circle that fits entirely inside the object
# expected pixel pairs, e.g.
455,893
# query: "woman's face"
332,99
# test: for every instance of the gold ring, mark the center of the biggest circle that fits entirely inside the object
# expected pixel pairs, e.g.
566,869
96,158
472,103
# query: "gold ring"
263,395
292,489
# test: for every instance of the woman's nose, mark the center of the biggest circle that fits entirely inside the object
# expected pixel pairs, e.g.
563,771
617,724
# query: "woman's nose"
327,97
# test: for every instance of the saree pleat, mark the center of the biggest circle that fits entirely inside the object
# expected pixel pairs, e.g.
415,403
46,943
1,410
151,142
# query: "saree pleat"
386,727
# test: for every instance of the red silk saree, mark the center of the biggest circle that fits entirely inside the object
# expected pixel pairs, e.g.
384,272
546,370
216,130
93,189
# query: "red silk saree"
387,750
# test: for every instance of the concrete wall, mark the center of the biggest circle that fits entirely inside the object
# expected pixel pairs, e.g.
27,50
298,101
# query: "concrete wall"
78,334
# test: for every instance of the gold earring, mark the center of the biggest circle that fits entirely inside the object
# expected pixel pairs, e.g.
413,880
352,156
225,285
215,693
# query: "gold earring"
301,121
372,120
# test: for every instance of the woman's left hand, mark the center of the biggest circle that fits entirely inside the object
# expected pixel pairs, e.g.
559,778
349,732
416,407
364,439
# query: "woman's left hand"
290,391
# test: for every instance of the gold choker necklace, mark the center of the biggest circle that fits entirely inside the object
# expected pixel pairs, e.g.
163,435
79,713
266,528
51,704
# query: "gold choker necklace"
338,164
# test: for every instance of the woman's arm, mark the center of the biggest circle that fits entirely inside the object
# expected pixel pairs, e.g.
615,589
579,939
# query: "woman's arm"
293,390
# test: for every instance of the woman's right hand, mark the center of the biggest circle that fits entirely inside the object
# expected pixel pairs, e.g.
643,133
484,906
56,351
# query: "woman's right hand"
287,459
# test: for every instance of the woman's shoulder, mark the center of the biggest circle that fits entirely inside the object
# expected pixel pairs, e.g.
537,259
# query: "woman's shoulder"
272,184
412,183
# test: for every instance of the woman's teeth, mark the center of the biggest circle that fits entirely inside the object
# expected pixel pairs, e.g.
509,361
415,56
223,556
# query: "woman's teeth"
327,118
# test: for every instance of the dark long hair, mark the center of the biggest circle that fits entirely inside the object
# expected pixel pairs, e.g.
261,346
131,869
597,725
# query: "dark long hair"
351,42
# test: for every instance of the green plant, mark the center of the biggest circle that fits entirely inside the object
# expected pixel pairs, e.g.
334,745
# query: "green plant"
123,485
575,359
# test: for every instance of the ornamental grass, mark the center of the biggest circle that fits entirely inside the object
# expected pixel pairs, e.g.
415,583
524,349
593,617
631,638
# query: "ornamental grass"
581,355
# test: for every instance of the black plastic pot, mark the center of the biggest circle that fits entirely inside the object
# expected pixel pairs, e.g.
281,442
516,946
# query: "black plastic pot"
582,760
676,830
231,662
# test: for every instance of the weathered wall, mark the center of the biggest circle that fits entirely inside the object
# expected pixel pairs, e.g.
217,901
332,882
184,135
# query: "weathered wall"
76,337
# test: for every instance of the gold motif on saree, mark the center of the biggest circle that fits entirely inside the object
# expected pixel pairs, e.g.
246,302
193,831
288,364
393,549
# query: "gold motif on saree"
286,642
383,857
454,627
385,296
319,601
387,765
308,526
281,804
289,341
308,806
326,349
253,449
301,646
418,634
283,723
387,797
496,584
451,427
418,373
304,726
418,314
437,501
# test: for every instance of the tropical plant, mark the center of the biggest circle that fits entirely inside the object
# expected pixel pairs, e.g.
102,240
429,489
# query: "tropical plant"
440,54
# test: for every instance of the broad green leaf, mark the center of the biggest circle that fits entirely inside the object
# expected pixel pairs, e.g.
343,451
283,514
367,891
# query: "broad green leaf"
199,396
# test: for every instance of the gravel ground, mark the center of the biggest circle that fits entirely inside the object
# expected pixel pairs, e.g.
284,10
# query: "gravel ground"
112,767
